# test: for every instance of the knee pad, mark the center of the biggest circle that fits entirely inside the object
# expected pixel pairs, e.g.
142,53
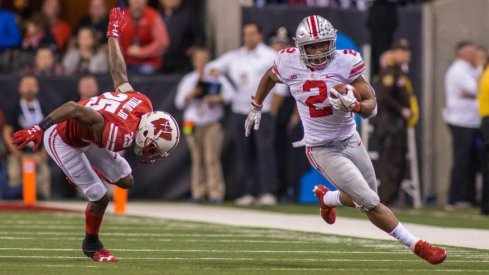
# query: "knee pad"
368,203
95,192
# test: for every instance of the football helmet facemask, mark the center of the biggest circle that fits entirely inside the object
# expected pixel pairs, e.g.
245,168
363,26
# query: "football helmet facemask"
157,135
311,30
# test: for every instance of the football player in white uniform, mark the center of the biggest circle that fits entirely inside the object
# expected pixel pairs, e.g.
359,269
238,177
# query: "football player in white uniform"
312,69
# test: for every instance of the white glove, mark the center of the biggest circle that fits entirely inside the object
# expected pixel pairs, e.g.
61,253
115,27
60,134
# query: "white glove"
253,118
347,102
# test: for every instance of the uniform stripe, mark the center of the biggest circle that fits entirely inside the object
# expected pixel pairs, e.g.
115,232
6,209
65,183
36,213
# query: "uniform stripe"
357,68
314,28
111,129
114,137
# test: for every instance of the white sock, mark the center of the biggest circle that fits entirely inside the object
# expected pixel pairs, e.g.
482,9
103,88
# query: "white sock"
332,198
404,236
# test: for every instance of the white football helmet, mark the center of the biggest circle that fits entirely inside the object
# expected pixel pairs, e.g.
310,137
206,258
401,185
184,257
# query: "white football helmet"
311,30
157,135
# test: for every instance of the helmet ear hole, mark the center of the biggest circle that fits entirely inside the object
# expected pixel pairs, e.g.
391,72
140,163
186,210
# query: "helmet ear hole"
145,133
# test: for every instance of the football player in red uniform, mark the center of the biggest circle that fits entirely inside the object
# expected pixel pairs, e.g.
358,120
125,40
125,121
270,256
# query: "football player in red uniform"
83,139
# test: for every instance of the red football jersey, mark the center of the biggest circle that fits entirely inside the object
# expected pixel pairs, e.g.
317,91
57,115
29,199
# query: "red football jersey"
121,112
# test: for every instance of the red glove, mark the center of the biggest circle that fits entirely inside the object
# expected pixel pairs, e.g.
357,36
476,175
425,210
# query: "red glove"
116,22
25,136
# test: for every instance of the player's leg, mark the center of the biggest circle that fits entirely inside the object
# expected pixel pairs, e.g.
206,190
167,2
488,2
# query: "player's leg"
79,171
112,167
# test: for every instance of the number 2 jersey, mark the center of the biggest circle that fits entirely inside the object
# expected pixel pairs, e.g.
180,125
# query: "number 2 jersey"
322,123
121,112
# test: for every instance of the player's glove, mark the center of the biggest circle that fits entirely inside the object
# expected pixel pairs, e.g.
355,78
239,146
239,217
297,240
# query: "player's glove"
253,118
33,134
116,22
345,102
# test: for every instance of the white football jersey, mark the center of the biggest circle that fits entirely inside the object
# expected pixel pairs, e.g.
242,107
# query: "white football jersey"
322,123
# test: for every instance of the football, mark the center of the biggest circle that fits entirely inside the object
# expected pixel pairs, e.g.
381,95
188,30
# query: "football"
341,88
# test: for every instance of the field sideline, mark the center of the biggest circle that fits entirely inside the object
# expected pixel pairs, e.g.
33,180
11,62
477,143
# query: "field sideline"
40,243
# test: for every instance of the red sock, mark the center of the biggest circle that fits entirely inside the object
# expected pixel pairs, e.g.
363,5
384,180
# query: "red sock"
92,222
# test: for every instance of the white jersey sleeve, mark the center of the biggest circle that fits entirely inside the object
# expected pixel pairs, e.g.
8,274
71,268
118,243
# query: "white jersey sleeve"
354,62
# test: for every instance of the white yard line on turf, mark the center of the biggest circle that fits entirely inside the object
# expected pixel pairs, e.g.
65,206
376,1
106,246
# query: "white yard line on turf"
462,237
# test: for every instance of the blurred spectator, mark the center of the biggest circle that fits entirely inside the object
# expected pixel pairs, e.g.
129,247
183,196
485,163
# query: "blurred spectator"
185,31
483,99
382,22
44,64
37,35
87,87
245,67
203,109
481,58
85,57
397,111
5,191
27,112
462,117
58,28
97,20
144,38
9,31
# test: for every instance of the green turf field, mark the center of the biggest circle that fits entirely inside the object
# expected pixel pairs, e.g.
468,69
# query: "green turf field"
49,243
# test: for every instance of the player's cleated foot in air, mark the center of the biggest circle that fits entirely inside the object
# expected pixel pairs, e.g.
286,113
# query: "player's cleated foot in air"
430,253
328,213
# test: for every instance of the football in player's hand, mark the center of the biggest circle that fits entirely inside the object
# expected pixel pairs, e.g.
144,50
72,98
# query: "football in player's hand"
342,89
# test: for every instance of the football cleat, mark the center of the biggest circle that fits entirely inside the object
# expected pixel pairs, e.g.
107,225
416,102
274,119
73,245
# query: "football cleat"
430,253
328,213
103,255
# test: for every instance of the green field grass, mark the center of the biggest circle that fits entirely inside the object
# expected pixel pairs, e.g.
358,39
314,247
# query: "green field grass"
49,243
466,218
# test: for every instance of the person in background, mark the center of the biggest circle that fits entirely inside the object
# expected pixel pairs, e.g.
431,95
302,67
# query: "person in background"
37,35
27,112
85,56
483,100
202,128
9,33
96,19
244,66
58,28
44,64
481,58
395,114
463,119
185,31
87,87
145,38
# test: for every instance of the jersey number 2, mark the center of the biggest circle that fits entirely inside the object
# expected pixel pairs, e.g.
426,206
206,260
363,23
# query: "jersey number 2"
315,99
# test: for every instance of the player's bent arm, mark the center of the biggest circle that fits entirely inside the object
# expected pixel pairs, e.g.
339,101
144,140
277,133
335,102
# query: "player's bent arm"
117,65
368,103
82,114
268,80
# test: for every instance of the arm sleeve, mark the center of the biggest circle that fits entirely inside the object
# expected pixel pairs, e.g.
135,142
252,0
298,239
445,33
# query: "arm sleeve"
357,65
277,66
467,83
184,88
160,41
227,90
222,63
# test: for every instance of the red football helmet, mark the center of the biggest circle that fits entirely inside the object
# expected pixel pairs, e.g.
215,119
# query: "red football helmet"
157,135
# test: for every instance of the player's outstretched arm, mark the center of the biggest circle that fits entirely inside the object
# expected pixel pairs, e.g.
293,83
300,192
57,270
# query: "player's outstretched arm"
368,103
69,110
117,65
268,80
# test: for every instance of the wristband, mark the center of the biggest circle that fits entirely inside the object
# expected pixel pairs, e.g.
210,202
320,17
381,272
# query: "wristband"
255,104
357,108
46,123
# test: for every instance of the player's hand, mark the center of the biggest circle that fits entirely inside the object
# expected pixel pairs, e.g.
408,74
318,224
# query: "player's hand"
253,118
23,137
116,22
345,102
